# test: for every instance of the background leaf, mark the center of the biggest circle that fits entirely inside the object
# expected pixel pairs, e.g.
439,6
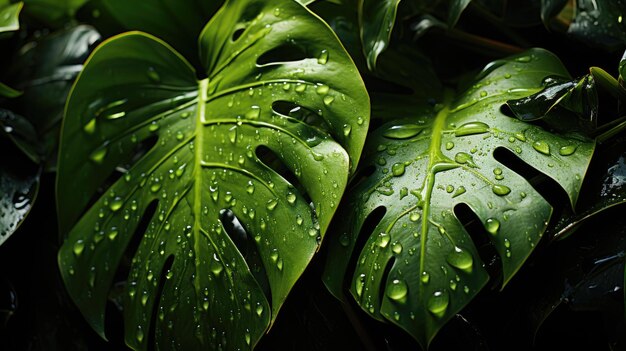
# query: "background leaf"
418,265
376,19
227,184
9,16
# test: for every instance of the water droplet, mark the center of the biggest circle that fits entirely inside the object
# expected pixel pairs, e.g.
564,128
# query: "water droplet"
271,204
322,89
323,58
459,191
500,190
523,59
383,240
464,158
507,75
153,127
507,243
247,336
359,283
471,128
90,127
139,334
542,147
359,121
254,113
344,240
438,303
347,129
492,225
414,216
216,266
250,188
449,145
153,75
425,277
116,204
483,93
98,155
291,198
300,87
460,259
449,189
232,134
403,131
567,150
328,100
397,169
79,247
396,248
397,290
156,186
259,309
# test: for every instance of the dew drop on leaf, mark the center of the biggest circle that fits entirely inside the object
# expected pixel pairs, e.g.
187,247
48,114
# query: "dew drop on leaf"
500,190
438,303
323,58
397,290
397,169
542,147
460,259
79,247
567,150
471,128
403,131
492,225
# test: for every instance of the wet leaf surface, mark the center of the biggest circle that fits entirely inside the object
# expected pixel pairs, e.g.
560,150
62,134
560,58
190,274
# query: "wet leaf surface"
220,189
418,265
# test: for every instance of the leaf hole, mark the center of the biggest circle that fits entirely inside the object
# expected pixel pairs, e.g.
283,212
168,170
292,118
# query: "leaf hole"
361,175
372,220
238,233
237,34
547,187
384,278
155,308
284,53
486,250
273,161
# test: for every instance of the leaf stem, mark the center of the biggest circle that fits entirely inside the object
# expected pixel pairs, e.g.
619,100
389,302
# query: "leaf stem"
482,44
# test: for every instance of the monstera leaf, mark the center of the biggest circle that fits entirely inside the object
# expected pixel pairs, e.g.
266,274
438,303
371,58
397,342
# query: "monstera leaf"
419,266
228,182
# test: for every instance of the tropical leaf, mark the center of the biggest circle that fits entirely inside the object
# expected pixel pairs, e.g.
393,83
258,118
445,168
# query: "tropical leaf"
44,72
54,13
178,23
376,19
236,176
419,266
9,16
19,176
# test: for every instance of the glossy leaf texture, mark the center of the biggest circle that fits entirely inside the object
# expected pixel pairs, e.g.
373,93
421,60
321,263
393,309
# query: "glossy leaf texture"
419,266
376,19
600,23
44,72
19,176
228,183
178,23
9,16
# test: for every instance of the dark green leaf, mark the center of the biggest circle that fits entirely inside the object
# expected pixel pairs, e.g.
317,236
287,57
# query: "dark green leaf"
376,19
178,23
580,97
278,82
54,13
45,70
456,9
551,8
516,13
8,92
419,266
600,23
19,177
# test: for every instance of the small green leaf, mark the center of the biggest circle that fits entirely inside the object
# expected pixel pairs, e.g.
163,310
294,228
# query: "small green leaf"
8,92
231,226
419,266
9,17
376,18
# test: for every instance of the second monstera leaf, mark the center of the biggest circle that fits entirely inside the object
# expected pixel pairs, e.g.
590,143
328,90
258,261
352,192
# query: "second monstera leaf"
419,266
223,185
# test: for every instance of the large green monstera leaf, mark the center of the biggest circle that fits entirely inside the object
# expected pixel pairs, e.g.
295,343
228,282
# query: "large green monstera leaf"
419,265
226,184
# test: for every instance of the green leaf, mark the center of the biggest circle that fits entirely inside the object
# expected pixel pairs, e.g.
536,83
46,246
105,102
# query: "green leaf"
19,177
8,92
55,13
226,223
376,18
551,8
456,9
178,23
419,266
9,17
45,70
600,23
